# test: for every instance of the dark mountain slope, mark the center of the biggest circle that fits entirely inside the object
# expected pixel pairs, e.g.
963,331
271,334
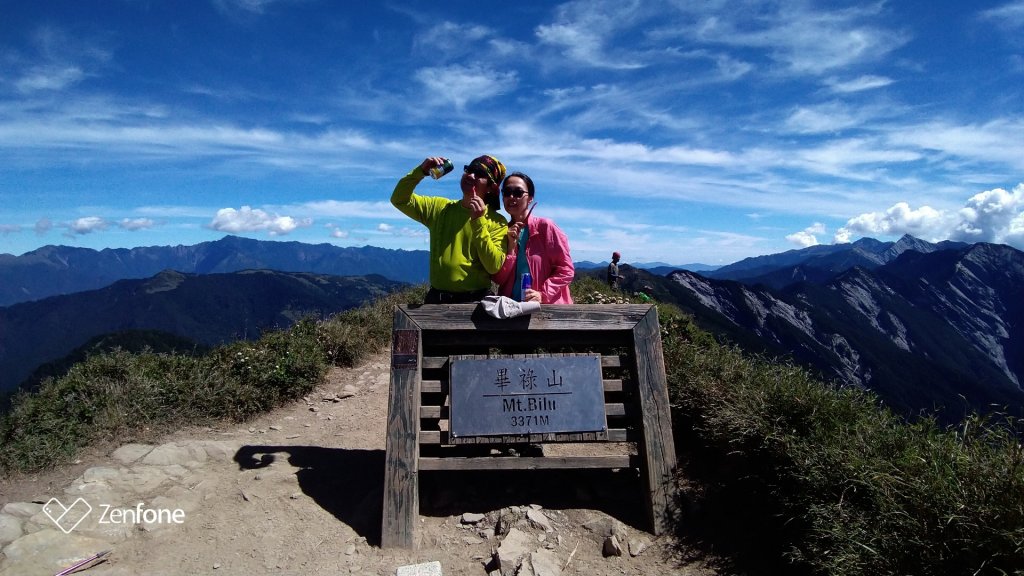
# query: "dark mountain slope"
207,309
939,330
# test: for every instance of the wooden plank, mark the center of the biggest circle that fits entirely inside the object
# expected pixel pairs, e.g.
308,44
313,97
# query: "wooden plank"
401,480
610,361
525,463
435,362
612,385
563,318
457,341
657,448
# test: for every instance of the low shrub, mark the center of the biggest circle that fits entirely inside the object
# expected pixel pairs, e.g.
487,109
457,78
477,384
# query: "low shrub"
835,482
117,394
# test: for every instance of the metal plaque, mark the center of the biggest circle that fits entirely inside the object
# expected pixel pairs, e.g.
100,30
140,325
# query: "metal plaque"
499,396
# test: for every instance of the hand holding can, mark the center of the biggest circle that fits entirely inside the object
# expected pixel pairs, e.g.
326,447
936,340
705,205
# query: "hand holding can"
441,169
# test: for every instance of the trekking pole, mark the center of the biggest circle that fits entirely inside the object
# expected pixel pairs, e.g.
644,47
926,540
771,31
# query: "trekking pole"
75,568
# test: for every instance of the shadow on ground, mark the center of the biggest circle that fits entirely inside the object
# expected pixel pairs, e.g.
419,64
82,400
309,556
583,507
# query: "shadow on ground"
349,485
617,493
346,483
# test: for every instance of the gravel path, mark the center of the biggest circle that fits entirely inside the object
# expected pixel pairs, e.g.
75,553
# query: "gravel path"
299,491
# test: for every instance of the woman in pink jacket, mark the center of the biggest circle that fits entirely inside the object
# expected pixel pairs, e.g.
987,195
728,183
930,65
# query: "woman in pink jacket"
535,245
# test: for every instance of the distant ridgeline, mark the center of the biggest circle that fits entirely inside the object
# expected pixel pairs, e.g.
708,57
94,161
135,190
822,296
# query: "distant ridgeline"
55,270
926,326
207,310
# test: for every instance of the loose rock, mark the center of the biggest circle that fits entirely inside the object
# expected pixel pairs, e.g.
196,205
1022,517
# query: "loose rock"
427,569
638,545
472,518
612,547
537,518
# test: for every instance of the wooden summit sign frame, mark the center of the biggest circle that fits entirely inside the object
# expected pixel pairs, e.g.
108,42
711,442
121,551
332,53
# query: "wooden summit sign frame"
425,340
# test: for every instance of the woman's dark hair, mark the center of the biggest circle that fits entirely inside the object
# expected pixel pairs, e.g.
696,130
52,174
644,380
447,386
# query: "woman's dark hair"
529,182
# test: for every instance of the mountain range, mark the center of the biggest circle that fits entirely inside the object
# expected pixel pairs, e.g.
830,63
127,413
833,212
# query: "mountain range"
55,270
928,327
205,309
660,268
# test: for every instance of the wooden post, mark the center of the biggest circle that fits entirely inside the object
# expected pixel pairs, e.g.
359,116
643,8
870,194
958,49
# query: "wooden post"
401,463
657,446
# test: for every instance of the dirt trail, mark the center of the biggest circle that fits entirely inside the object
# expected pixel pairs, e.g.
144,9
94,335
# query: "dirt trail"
299,491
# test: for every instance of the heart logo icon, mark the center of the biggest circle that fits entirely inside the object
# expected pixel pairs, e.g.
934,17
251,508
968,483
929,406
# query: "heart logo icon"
67,518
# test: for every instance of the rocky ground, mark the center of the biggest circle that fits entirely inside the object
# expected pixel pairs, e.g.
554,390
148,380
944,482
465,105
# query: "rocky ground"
299,491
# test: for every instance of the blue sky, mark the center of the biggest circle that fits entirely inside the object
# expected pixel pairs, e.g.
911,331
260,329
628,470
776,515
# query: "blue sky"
670,131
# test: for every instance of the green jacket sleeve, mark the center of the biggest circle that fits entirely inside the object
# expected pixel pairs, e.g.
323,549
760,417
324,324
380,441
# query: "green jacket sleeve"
408,203
490,240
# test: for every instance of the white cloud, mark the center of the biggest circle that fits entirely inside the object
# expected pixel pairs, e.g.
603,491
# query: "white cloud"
583,31
730,69
173,211
1000,140
808,236
87,225
1009,15
248,219
990,216
336,232
382,227
349,209
136,223
924,222
452,38
461,85
859,84
49,78
249,6
803,39
822,118
1015,232
43,225
836,157
6,229
57,60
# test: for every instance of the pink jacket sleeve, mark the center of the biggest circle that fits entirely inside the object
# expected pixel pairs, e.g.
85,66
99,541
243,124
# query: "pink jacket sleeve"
555,287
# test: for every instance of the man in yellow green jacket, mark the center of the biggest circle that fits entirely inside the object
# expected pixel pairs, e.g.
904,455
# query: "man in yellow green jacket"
467,236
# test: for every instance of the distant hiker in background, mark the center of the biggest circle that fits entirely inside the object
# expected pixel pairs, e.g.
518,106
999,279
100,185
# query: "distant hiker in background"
535,245
467,236
613,271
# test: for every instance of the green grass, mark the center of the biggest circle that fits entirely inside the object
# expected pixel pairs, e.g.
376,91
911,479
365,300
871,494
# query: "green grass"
783,473
838,484
125,395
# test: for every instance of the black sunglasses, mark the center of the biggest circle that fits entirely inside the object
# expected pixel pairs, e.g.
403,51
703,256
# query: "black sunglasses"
477,172
514,192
